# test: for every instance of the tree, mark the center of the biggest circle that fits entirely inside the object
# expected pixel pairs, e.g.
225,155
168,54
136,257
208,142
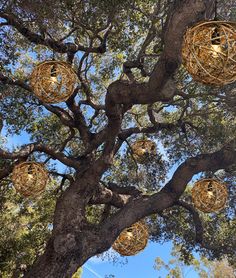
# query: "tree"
203,267
127,57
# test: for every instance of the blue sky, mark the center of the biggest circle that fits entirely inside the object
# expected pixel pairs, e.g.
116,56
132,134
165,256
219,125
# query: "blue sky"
139,266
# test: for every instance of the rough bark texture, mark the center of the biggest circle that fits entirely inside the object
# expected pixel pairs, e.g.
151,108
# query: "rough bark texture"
73,240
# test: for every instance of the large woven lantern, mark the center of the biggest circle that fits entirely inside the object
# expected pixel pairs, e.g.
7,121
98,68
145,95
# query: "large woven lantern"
53,81
209,52
29,178
132,240
143,150
209,195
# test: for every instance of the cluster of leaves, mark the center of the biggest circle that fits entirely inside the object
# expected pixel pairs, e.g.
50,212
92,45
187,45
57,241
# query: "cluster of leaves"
25,227
175,268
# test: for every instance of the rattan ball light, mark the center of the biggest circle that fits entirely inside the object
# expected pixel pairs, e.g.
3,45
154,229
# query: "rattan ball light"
143,150
132,240
209,52
53,81
209,195
29,178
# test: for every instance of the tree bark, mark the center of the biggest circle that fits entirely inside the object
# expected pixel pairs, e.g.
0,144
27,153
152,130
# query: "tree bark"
74,241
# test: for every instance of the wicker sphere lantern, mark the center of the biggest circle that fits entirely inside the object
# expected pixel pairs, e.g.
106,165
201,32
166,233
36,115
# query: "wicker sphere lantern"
29,178
53,81
209,52
143,150
132,240
209,195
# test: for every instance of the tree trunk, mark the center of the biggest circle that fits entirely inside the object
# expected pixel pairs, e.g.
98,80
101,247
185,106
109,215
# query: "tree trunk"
73,240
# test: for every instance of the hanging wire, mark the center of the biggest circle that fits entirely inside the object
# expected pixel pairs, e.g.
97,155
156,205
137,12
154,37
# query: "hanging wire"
53,55
216,15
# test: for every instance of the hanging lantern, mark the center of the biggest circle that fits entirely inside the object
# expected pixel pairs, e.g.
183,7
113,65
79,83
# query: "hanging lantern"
29,178
209,52
209,195
143,150
132,240
53,81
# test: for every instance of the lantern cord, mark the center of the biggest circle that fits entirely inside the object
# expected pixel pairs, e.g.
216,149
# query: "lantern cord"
53,55
216,15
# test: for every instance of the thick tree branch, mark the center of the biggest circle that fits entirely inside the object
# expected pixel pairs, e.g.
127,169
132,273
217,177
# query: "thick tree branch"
104,195
26,150
160,86
63,115
114,195
143,205
124,134
79,121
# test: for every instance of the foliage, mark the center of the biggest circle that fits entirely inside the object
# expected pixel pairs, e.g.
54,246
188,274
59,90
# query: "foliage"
25,227
203,267
111,35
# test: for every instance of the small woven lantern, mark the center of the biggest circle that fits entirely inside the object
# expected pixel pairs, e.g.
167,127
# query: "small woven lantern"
209,52
143,150
132,240
53,81
29,178
209,195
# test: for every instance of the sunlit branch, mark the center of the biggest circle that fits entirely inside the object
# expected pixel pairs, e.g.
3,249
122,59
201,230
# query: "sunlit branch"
26,150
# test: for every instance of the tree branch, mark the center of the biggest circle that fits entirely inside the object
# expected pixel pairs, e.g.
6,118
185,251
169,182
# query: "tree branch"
7,80
142,206
26,150
57,46
196,219
160,86
63,115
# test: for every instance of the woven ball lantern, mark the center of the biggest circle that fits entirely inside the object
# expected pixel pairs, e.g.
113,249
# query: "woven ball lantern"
143,150
132,240
209,52
53,81
29,178
209,195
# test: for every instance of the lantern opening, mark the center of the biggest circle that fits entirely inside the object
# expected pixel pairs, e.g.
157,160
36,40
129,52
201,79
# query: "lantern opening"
215,42
210,193
53,74
30,176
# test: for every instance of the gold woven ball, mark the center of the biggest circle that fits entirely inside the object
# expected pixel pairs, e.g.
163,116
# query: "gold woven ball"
209,52
143,150
53,81
132,240
29,178
209,195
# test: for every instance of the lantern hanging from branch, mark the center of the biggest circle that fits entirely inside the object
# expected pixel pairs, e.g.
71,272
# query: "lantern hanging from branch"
132,240
142,150
209,195
29,178
209,52
53,81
